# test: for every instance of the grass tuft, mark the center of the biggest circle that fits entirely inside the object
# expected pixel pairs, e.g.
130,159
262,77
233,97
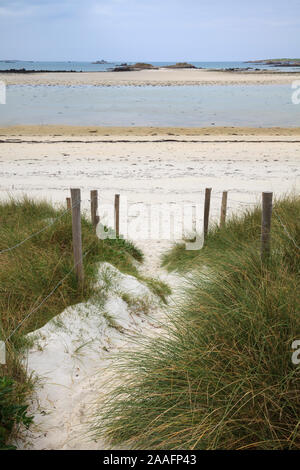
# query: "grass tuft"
29,272
221,376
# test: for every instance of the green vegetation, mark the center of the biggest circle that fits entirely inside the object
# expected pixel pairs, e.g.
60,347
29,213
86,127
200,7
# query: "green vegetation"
158,287
11,413
238,232
31,271
136,304
221,377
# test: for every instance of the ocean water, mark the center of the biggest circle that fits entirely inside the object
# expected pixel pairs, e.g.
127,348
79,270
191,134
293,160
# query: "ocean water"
268,105
90,67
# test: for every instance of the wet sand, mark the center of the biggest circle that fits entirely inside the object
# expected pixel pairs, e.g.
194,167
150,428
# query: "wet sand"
55,131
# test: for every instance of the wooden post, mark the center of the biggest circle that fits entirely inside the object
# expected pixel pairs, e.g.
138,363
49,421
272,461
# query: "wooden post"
266,216
223,209
94,208
68,203
76,232
117,214
206,211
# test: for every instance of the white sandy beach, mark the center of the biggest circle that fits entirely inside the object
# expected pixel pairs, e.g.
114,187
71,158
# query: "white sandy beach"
161,77
150,165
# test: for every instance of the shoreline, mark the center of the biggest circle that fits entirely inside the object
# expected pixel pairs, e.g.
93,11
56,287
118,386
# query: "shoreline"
167,68
136,131
160,77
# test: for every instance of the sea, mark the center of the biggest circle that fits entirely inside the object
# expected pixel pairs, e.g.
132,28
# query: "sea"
213,105
92,67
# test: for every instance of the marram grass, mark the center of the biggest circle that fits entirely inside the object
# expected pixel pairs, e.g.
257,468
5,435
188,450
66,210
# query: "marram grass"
221,376
29,272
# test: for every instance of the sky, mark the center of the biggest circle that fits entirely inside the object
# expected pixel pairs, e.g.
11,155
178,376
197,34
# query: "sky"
149,30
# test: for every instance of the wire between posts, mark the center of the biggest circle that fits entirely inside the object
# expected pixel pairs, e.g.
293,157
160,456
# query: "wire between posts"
6,250
286,230
110,201
45,299
85,254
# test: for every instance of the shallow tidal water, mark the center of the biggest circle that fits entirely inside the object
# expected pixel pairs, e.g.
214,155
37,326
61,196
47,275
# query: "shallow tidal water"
94,67
237,105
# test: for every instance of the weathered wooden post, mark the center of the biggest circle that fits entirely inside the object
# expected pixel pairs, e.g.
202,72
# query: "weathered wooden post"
94,208
223,209
117,214
76,232
206,211
266,216
68,203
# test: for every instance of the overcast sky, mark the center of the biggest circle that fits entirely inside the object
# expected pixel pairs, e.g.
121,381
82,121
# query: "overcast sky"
149,29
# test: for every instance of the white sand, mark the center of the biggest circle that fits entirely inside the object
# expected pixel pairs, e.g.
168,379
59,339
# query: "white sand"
162,77
149,169
72,354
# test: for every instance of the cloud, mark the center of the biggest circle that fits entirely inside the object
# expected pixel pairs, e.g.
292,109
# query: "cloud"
125,29
37,8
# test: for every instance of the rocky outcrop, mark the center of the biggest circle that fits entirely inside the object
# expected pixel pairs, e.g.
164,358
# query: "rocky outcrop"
134,67
277,62
100,62
181,65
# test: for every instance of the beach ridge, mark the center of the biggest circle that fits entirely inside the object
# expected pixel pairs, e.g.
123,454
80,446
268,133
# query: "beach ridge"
161,77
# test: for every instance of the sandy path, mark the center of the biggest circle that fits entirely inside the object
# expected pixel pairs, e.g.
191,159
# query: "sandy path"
162,77
72,357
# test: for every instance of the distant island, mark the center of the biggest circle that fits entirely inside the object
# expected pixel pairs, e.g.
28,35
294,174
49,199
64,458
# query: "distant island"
277,62
36,71
101,62
144,66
